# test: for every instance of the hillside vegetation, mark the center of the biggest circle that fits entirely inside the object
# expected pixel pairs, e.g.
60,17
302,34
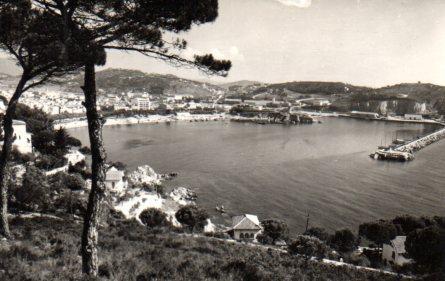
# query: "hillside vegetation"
125,80
47,249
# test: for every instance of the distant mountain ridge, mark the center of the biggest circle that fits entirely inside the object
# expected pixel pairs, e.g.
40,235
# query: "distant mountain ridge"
124,80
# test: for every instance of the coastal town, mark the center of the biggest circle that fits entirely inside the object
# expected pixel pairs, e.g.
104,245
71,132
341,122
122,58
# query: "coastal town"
134,193
230,104
222,140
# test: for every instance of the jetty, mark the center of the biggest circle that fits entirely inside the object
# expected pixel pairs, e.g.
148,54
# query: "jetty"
392,155
404,151
422,142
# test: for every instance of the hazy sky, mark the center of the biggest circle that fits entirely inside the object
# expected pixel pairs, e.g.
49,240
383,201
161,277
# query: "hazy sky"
364,42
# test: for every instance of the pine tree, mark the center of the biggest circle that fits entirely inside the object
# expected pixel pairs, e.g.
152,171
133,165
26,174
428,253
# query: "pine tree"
34,39
128,25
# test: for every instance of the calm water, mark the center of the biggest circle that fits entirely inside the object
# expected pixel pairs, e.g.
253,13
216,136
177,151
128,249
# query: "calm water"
285,172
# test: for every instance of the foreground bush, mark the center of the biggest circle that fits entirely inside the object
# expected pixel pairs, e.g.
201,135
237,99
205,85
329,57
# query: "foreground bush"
192,216
343,241
318,232
34,194
309,247
274,229
153,217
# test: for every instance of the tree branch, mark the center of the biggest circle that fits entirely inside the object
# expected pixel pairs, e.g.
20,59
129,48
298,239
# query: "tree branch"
170,58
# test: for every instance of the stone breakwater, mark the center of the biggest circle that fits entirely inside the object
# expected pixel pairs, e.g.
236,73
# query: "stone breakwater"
422,142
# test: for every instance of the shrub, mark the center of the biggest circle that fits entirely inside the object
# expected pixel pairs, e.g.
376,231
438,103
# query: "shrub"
50,162
160,190
118,165
21,158
427,247
360,260
379,232
71,203
275,229
245,270
153,217
318,232
34,194
72,141
309,247
80,168
85,150
343,241
409,223
63,181
43,141
192,216
264,239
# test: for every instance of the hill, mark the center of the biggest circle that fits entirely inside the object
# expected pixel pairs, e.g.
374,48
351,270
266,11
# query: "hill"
125,80
242,83
314,87
46,248
417,91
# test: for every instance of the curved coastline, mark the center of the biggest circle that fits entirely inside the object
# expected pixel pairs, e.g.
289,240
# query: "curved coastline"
72,123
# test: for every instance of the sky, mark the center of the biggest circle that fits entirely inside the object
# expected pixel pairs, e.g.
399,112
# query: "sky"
362,42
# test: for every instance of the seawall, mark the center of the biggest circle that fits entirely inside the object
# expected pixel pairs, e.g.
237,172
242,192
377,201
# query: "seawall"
422,142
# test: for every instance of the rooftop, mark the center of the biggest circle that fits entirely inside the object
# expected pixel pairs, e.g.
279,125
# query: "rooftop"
398,244
246,222
114,174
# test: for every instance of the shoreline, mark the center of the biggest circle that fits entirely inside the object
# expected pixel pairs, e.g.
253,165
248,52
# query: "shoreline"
73,123
81,122
396,120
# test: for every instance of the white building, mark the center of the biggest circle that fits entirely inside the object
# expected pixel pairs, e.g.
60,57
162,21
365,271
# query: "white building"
413,117
141,104
395,252
22,139
74,157
114,180
182,97
120,106
245,227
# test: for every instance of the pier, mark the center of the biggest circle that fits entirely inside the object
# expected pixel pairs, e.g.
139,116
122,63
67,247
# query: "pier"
422,142
404,152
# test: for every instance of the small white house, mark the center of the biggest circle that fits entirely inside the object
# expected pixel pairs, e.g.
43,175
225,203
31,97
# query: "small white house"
245,227
74,157
22,139
114,180
395,252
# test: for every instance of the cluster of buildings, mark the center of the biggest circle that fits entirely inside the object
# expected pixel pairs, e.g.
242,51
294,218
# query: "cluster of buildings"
58,101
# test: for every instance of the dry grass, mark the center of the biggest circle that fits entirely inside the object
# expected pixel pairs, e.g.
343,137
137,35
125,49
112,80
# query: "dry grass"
47,249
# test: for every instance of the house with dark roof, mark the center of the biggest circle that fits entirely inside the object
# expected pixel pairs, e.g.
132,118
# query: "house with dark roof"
245,227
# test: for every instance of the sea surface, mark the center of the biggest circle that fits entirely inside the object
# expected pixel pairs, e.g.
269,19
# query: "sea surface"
287,172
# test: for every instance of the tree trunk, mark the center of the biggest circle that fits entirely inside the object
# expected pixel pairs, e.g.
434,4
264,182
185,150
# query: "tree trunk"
97,194
8,133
